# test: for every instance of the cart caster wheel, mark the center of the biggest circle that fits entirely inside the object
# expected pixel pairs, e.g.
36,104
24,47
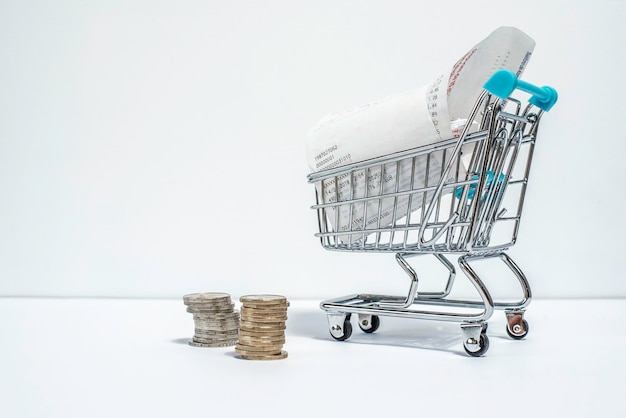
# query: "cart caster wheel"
517,331
341,332
477,348
369,323
484,327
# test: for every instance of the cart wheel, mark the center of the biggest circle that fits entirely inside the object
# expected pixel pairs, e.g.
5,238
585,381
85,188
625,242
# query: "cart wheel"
483,343
369,323
344,333
518,332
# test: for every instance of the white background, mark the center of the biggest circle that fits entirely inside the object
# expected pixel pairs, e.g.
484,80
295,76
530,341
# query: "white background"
156,148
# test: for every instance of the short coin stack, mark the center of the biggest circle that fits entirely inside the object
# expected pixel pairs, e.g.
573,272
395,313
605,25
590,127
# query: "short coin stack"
262,327
215,319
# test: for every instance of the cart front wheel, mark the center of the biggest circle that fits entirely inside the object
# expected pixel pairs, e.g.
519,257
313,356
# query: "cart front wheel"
477,348
343,331
369,323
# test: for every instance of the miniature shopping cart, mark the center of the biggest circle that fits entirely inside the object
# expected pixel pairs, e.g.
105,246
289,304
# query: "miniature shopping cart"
461,197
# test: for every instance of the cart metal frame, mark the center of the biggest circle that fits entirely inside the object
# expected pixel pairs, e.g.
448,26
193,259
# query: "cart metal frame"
386,204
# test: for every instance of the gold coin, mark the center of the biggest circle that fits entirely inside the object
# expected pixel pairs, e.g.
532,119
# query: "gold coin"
279,356
261,336
255,326
264,299
263,312
260,339
262,332
272,306
261,345
256,305
268,333
252,350
265,322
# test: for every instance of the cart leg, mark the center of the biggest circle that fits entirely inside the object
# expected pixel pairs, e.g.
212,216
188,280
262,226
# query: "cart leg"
521,277
339,326
517,326
478,284
413,293
400,258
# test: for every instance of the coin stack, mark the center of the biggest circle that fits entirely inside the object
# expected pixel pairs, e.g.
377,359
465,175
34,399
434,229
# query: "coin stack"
215,319
262,327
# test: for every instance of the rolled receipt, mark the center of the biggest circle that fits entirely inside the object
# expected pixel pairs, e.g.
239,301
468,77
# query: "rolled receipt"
417,117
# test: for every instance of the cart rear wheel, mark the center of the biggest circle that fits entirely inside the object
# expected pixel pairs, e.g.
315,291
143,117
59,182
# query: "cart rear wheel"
344,333
519,331
483,343
369,323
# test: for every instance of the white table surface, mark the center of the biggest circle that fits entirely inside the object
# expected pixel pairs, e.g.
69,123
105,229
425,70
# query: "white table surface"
130,358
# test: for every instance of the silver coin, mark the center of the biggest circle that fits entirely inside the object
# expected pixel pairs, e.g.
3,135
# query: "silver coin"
207,338
210,309
216,316
216,334
211,304
228,322
232,341
231,316
215,337
217,331
209,329
212,345
206,296
215,343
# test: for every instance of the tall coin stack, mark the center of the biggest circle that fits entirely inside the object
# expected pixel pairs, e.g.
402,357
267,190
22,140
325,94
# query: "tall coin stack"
215,319
262,327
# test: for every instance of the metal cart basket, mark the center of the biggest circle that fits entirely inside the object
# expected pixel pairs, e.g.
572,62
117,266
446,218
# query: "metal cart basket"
461,197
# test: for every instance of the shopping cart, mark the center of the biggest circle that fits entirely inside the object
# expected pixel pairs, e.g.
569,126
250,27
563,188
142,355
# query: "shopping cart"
460,197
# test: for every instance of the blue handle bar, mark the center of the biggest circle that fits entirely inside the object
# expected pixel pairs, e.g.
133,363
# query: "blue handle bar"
503,82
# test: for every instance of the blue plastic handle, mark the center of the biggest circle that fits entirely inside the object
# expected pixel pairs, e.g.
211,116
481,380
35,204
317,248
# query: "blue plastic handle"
503,82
